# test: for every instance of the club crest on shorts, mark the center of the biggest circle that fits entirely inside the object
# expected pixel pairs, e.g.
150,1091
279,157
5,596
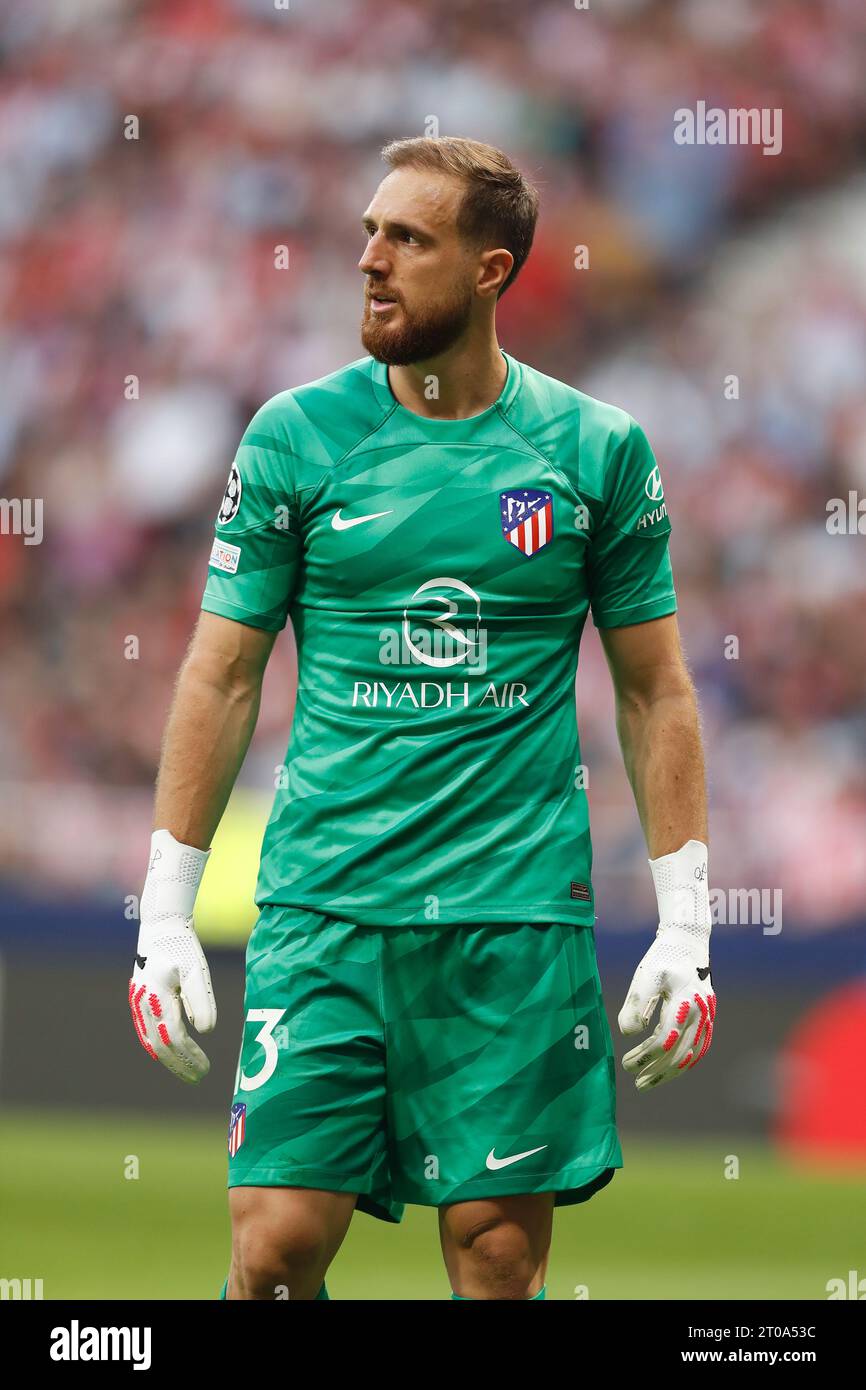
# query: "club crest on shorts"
231,498
527,518
237,1127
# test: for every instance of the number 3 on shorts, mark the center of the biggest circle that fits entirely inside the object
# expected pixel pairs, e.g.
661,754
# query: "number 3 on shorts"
269,1018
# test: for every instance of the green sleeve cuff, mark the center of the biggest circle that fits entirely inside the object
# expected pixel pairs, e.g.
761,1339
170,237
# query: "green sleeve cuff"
635,612
271,622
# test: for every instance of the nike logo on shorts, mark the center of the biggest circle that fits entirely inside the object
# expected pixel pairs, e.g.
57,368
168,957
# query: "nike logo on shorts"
493,1162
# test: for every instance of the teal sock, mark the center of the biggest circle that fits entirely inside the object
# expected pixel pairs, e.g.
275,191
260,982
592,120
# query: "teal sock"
540,1294
320,1296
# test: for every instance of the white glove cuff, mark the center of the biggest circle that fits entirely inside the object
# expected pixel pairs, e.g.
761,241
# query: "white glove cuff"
173,878
682,889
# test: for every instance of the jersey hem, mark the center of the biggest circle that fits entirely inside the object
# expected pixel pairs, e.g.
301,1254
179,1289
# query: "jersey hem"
545,913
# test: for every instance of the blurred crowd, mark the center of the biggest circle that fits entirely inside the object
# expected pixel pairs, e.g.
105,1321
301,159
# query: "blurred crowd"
155,156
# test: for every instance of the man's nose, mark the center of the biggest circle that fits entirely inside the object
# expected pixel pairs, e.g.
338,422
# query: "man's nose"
374,260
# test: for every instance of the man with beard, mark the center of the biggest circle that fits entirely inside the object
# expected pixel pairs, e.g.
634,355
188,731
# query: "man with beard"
423,1015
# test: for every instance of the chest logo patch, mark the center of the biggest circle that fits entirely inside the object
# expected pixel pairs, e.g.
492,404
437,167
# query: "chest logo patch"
527,518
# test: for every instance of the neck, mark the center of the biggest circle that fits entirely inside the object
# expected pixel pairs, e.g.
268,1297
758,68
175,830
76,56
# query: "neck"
458,383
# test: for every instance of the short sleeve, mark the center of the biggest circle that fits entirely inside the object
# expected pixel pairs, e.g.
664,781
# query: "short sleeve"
256,550
629,568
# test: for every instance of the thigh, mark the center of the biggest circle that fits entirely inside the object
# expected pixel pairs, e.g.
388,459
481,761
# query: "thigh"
285,1237
309,1100
500,1063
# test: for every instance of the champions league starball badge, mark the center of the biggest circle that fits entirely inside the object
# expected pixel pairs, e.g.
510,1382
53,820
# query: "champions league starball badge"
231,499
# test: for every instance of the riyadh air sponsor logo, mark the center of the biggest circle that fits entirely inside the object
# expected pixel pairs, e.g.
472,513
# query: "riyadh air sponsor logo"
493,1162
424,695
345,523
441,623
441,628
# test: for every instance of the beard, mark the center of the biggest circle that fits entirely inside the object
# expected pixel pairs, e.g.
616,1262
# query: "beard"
419,337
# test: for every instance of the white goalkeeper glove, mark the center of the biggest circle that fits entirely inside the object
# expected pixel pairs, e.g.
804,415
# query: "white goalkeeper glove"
170,966
675,970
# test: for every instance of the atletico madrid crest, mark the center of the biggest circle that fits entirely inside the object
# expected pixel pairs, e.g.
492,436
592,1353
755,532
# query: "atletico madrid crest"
527,518
237,1127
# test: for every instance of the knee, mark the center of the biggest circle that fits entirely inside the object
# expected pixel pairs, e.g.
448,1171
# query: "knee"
500,1258
279,1261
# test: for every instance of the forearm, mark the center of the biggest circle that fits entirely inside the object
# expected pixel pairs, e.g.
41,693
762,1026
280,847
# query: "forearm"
206,738
663,755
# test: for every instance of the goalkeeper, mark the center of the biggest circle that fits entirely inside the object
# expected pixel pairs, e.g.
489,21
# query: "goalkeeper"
423,1019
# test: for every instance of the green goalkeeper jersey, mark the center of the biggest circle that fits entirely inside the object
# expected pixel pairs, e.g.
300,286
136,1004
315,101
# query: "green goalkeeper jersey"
437,574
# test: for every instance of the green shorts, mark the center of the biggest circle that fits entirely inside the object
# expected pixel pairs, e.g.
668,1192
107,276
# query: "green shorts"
426,1064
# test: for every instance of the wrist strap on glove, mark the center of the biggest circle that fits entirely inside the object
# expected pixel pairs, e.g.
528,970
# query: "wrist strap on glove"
173,877
682,889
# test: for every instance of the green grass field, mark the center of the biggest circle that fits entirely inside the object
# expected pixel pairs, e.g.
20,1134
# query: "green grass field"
669,1226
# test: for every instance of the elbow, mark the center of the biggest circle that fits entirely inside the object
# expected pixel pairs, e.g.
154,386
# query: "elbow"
671,686
234,678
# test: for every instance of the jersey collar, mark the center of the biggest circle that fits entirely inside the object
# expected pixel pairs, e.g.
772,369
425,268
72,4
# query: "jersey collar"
442,428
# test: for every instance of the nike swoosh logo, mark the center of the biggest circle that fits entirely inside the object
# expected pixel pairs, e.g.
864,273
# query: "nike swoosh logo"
141,961
494,1162
339,524
703,973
